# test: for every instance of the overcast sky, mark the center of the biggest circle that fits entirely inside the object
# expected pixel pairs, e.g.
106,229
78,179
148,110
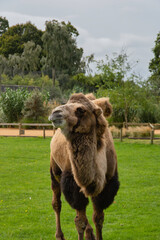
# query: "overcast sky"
105,26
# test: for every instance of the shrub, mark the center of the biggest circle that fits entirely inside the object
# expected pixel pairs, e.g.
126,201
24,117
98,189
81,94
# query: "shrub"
35,107
12,102
3,118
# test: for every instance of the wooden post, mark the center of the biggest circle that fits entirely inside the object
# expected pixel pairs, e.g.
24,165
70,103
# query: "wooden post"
20,125
44,135
152,136
121,134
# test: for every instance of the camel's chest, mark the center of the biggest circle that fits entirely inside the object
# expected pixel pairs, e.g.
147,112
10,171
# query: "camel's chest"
101,161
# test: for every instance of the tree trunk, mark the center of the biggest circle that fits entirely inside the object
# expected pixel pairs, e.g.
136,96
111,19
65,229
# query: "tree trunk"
53,76
126,113
126,118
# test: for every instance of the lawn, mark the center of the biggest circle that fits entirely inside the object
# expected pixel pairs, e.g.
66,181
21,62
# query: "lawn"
25,194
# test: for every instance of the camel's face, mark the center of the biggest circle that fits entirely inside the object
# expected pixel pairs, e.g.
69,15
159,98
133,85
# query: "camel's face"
64,115
78,115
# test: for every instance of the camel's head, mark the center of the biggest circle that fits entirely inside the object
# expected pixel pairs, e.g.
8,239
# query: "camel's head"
79,114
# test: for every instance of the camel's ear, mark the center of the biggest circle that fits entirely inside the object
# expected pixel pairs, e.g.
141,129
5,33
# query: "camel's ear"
105,105
97,111
90,96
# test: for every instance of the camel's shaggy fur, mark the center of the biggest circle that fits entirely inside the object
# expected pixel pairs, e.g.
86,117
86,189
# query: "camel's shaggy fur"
83,160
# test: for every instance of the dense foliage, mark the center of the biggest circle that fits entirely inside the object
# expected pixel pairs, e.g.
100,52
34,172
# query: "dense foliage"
4,25
154,68
12,103
62,54
34,107
51,61
12,41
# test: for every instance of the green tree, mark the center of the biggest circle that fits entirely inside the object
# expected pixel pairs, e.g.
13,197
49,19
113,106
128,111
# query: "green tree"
85,83
28,61
3,63
14,65
4,25
149,108
31,56
114,71
12,41
118,81
62,54
154,67
124,99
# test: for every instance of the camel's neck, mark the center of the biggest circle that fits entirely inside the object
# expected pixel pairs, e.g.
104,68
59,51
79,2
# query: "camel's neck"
83,144
83,150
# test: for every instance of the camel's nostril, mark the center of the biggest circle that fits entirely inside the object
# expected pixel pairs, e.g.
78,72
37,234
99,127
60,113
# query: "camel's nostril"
57,119
57,115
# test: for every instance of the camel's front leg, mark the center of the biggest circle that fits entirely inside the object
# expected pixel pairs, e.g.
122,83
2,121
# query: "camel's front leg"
81,223
98,219
89,235
56,203
78,201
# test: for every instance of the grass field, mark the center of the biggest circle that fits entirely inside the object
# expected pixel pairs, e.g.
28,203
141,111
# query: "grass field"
25,194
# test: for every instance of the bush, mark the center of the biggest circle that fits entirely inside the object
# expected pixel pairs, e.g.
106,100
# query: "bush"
12,102
3,118
35,107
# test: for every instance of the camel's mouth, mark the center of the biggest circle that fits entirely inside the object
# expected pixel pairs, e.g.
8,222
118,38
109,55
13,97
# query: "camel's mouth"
57,119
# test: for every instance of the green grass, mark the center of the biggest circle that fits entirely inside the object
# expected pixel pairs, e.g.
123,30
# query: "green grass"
25,194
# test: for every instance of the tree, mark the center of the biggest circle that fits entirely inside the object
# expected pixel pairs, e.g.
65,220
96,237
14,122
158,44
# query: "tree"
12,41
154,68
149,108
84,83
124,99
62,54
4,25
31,56
3,63
118,81
14,65
114,71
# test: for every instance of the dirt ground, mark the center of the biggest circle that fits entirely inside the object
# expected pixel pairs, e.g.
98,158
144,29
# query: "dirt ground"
33,132
157,132
27,133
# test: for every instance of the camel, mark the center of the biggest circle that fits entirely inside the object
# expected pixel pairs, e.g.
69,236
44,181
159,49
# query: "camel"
83,162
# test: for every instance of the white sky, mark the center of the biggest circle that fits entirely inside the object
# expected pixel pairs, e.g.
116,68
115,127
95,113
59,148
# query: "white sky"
105,26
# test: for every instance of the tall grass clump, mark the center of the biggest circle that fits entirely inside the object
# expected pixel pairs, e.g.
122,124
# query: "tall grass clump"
133,132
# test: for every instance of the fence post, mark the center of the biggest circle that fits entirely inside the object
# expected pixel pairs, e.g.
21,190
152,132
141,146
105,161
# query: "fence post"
152,136
44,134
20,126
121,134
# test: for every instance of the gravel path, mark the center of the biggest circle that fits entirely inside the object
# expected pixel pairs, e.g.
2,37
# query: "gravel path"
33,132
27,133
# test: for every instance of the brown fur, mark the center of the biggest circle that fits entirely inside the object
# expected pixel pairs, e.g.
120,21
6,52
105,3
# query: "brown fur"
84,145
105,105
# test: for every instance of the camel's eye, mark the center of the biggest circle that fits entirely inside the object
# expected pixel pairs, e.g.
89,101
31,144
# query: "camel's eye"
80,111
